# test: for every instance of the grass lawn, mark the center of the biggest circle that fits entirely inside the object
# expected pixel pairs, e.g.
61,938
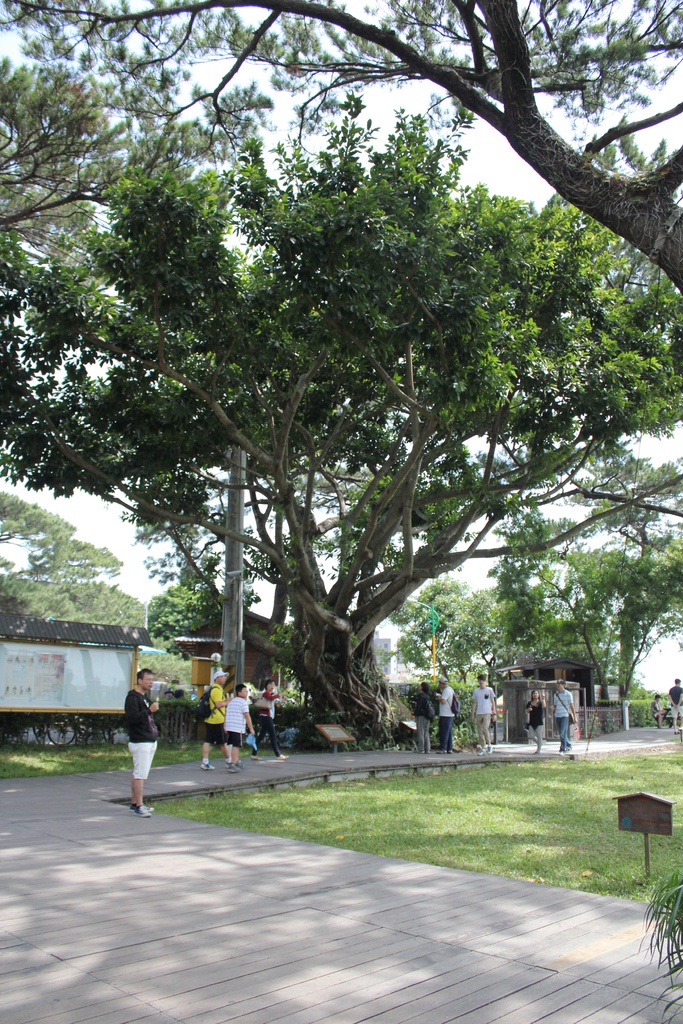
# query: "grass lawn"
552,822
26,760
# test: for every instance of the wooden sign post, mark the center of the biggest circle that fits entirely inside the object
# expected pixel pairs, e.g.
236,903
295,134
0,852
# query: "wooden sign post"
335,734
643,812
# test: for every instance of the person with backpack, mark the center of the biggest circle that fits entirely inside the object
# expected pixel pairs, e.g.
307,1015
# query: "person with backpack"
446,716
483,710
424,714
214,721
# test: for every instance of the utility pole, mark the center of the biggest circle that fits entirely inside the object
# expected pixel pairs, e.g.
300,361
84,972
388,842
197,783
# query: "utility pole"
233,644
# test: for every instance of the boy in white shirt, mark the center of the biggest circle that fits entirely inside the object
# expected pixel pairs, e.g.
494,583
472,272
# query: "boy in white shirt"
236,718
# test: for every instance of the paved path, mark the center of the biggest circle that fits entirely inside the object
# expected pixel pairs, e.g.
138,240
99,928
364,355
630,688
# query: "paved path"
112,919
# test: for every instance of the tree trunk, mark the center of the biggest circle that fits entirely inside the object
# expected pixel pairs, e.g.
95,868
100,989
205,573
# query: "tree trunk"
343,682
643,209
626,658
264,665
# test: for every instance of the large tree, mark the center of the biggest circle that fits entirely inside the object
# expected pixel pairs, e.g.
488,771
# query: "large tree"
45,571
404,365
523,69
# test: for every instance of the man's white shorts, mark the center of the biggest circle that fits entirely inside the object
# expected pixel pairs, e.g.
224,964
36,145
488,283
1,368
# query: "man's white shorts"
676,713
143,755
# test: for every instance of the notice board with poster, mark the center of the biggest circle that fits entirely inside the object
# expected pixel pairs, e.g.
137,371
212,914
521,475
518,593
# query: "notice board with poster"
40,676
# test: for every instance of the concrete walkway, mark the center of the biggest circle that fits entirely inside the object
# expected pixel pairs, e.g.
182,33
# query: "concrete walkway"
109,918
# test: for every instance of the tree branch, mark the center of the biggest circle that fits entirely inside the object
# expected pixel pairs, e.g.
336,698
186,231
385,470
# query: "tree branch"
620,130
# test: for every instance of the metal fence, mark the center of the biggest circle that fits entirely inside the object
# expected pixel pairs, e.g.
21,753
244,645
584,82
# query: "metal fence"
594,721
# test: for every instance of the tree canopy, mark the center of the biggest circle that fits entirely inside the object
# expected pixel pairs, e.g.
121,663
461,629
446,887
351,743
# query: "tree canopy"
66,137
568,85
406,365
45,571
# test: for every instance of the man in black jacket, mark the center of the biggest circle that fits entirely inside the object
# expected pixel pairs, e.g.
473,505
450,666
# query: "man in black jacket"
142,733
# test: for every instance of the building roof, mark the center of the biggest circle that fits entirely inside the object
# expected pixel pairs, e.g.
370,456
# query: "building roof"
26,627
550,663
210,633
648,796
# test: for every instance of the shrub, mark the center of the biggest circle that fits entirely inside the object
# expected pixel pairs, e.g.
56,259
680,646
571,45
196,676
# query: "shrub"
639,713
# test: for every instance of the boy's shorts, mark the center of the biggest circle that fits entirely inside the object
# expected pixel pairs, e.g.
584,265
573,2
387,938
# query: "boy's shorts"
234,739
143,755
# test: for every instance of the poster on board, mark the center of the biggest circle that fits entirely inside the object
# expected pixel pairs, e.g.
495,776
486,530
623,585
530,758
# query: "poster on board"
35,676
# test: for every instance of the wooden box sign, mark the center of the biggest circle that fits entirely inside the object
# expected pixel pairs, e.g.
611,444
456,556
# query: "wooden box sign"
335,734
643,812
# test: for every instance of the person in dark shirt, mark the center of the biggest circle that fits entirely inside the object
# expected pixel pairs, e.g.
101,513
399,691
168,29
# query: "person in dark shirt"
676,698
424,713
142,734
536,712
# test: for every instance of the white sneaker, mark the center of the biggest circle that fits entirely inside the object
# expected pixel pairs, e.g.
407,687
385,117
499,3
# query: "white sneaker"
489,750
480,753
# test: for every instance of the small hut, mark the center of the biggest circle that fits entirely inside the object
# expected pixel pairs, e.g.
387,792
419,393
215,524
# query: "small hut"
517,682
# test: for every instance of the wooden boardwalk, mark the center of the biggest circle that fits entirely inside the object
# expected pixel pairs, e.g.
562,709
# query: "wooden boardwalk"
112,919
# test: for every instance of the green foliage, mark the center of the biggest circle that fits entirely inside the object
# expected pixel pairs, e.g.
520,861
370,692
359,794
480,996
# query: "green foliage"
67,136
179,610
664,919
47,573
640,714
469,635
406,365
586,60
612,603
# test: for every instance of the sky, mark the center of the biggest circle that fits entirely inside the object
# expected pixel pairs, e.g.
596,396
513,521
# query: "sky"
492,162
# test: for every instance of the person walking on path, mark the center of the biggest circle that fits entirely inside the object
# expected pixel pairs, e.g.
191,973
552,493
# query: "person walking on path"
446,716
237,719
564,713
142,736
536,711
676,698
214,726
424,713
266,719
483,710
